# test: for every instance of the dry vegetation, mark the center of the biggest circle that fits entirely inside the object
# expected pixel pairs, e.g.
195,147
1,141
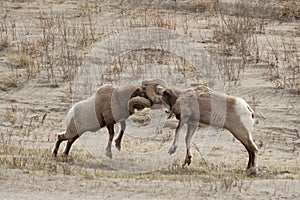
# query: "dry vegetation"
256,48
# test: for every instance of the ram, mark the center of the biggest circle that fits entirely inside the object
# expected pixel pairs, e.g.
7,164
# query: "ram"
108,106
203,105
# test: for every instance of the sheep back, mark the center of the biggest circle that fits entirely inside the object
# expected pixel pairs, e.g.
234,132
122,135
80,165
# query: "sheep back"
111,103
103,104
82,117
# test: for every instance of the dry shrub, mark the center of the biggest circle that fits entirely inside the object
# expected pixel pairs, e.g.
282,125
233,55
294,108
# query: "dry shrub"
4,41
284,70
61,46
234,29
22,59
11,114
9,80
50,48
141,63
289,10
231,69
190,6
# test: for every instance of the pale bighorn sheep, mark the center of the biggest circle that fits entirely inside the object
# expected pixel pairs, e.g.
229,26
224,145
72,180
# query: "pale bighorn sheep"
108,106
194,106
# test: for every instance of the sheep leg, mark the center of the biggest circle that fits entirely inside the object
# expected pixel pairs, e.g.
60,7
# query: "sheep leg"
190,132
119,138
251,149
175,141
110,128
69,144
60,139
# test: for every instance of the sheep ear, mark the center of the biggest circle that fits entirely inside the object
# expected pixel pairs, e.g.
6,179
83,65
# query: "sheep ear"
169,92
170,96
160,90
138,92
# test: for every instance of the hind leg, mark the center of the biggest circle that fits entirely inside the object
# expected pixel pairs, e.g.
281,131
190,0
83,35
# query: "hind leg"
69,144
71,135
110,128
251,148
119,138
190,132
252,151
177,131
60,139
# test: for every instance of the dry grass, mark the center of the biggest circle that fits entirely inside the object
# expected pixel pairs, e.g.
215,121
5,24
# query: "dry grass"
10,80
54,48
284,71
5,41
289,10
22,59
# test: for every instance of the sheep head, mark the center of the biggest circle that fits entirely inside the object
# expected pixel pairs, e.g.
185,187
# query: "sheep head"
147,95
138,103
153,88
169,97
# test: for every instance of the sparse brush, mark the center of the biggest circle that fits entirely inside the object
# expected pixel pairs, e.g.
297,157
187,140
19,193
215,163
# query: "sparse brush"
231,69
4,41
284,71
22,59
289,10
11,114
9,80
234,33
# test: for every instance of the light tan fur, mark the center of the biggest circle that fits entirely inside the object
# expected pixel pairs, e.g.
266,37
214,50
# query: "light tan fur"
107,107
203,105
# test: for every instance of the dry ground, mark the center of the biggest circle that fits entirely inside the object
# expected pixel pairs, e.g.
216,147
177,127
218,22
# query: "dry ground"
39,57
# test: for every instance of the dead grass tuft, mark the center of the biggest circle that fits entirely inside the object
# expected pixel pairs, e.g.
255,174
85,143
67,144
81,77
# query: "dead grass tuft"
284,71
22,59
289,10
5,41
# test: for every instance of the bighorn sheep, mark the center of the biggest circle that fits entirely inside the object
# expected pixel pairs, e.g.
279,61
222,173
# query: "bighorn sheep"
109,105
194,106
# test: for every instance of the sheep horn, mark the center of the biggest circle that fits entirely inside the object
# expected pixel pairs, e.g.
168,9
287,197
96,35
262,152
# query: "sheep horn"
157,81
154,88
138,103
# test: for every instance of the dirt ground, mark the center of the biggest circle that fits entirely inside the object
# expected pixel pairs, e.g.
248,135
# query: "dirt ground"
34,101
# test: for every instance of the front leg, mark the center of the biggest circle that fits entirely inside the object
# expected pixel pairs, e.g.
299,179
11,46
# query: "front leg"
190,132
175,141
110,128
119,138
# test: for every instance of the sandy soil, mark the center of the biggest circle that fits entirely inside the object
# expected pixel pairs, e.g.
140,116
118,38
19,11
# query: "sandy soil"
34,110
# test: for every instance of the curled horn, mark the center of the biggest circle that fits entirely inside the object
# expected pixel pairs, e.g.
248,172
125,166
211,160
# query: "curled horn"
154,88
157,81
138,103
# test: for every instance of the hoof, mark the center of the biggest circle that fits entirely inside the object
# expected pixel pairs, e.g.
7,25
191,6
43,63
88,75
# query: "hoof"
108,154
187,161
64,157
172,150
118,144
252,171
119,148
54,154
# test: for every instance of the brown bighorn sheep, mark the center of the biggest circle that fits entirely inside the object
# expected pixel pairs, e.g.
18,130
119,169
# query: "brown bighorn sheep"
109,105
194,106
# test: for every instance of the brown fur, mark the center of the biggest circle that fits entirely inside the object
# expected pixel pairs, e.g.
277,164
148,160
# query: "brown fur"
183,105
110,107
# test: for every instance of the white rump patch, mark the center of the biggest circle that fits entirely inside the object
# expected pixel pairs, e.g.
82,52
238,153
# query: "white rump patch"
246,113
84,115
